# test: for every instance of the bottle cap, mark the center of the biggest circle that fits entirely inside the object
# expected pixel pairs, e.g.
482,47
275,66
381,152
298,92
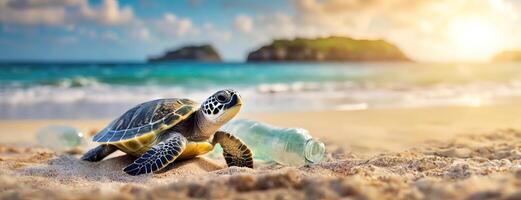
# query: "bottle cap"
314,150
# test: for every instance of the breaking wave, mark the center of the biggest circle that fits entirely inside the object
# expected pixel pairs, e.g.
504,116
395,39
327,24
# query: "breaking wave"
67,100
105,91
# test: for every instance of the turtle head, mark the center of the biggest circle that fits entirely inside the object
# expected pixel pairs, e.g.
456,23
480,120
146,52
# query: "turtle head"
222,106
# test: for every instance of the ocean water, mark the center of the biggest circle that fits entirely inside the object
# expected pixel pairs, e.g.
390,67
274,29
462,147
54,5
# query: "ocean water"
97,90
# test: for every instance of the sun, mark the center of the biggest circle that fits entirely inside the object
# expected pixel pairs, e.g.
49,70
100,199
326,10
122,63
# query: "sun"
474,39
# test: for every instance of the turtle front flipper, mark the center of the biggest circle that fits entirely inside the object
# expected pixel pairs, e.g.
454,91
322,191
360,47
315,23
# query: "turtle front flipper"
98,153
159,156
235,152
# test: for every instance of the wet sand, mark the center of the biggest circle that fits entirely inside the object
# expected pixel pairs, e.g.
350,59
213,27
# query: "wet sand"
417,153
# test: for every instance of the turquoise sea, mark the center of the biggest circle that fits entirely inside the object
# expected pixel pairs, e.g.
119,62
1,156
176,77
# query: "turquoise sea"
104,90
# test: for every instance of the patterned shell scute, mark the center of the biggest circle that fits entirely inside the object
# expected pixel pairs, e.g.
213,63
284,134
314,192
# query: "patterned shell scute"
147,118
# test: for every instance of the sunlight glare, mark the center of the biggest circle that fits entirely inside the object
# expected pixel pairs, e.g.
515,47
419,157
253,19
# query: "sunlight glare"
474,38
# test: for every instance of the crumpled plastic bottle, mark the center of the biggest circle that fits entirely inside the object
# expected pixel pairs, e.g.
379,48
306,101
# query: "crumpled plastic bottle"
286,146
60,138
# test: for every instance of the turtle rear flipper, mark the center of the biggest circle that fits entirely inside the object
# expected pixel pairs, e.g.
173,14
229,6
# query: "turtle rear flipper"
159,156
98,153
235,152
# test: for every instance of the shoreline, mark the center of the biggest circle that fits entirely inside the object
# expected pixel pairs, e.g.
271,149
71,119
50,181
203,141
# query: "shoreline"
363,132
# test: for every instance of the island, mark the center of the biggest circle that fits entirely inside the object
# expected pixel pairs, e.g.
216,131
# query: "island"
508,56
328,49
205,53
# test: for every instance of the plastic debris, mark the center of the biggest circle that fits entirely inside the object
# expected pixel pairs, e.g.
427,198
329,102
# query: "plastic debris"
286,146
60,138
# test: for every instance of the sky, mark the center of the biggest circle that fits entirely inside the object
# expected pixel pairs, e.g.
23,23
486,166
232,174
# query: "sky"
104,30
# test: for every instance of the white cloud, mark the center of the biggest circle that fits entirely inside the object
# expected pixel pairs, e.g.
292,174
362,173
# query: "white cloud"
18,12
62,12
108,13
243,23
173,26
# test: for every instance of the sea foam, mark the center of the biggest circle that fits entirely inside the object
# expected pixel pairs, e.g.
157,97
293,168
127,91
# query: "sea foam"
278,97
107,90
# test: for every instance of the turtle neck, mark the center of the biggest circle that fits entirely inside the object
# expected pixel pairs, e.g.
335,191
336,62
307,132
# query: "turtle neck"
204,128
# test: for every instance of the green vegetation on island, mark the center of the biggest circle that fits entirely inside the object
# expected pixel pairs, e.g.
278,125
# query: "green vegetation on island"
506,56
204,53
328,49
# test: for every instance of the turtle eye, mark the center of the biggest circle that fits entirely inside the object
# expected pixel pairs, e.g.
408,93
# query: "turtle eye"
222,97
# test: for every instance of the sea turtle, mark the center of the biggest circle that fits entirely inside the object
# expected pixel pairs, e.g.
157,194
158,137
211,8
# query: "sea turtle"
161,131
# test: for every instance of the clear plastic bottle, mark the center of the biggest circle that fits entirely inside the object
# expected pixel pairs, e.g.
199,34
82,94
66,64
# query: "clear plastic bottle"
286,146
60,138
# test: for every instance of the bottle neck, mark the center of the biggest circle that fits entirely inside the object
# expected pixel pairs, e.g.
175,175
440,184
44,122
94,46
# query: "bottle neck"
314,150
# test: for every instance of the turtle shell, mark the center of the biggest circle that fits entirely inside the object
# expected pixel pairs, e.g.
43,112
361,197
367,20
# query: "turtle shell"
147,119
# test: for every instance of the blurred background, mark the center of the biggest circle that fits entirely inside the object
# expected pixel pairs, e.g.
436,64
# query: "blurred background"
95,59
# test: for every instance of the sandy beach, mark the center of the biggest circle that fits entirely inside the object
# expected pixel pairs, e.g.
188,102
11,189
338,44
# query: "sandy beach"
413,100
414,153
